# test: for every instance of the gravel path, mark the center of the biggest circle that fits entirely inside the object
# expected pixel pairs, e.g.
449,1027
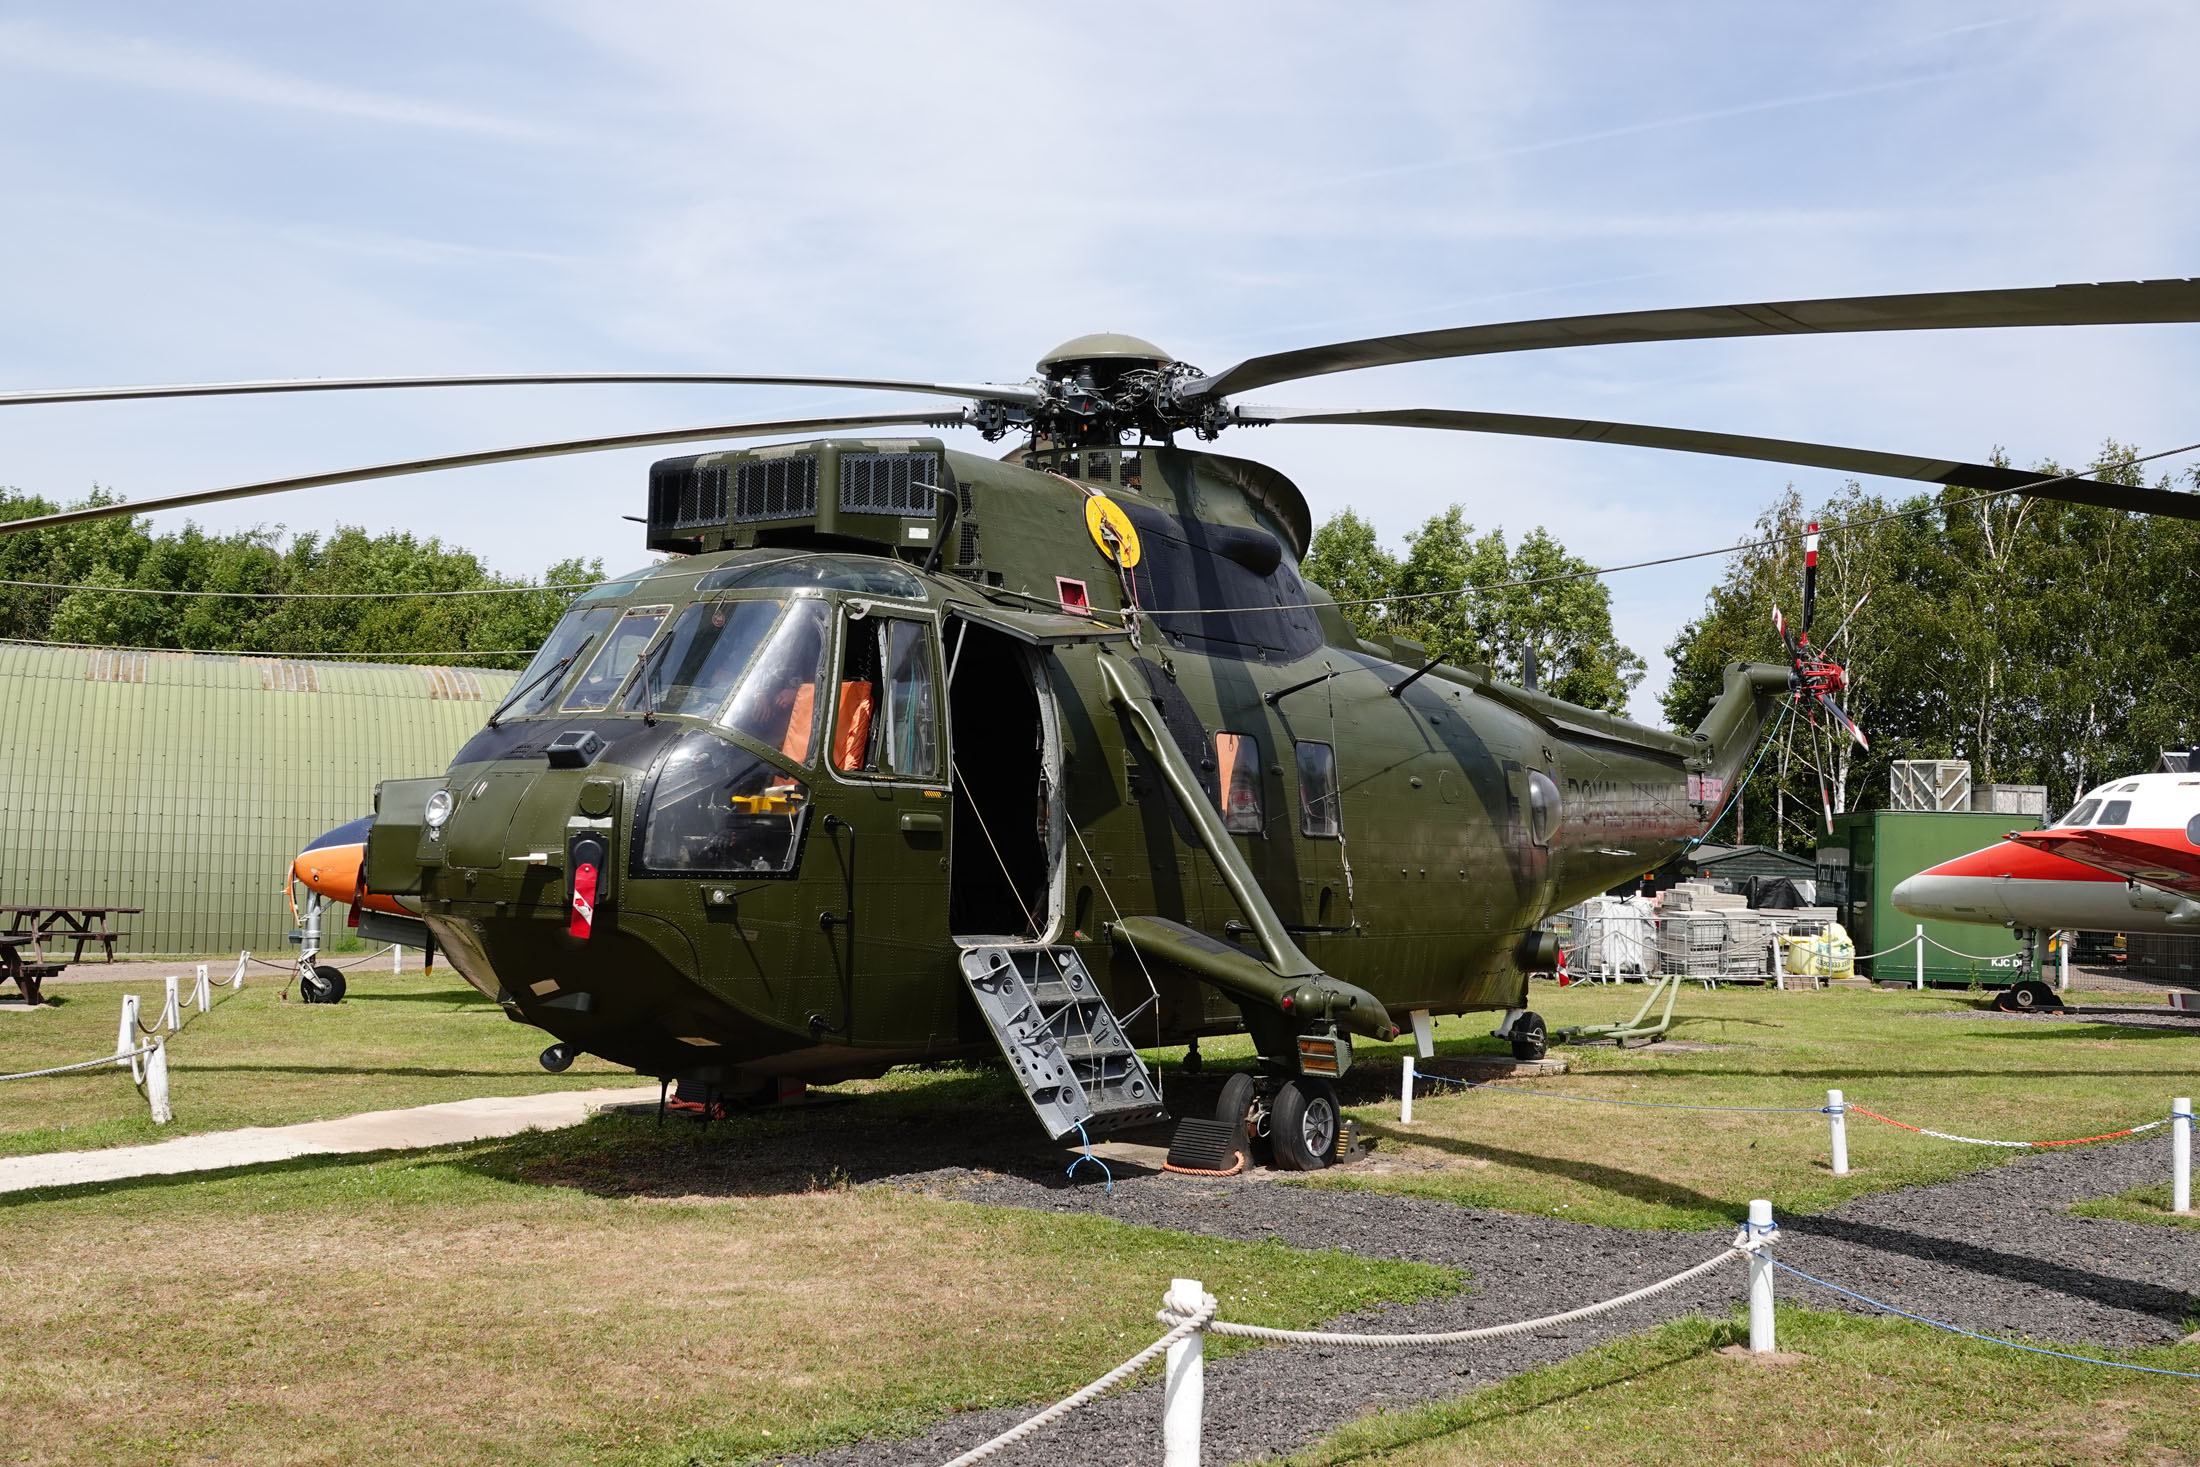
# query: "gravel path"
1992,1251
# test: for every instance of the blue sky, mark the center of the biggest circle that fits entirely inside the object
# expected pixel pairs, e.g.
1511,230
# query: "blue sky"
230,190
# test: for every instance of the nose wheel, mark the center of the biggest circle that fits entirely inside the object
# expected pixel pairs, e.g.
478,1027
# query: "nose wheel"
1304,1124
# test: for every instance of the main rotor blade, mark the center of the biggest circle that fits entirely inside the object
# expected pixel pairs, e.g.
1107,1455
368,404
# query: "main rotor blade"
2119,303
2141,500
490,456
975,391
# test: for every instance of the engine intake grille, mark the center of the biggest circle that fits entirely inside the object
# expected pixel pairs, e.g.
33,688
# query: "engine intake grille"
888,483
684,497
776,488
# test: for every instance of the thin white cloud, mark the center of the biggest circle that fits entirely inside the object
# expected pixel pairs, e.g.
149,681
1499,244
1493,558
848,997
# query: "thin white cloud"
138,61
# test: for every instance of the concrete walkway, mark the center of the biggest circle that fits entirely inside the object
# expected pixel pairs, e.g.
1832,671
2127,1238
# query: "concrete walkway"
380,1130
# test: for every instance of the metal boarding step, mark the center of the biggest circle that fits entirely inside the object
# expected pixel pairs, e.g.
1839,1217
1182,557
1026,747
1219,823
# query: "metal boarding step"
1062,1040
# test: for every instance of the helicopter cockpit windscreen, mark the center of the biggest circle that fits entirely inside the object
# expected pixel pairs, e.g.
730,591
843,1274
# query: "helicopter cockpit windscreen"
777,704
616,660
538,686
694,668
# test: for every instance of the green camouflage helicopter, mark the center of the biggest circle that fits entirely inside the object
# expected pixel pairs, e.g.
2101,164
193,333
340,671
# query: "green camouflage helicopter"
907,754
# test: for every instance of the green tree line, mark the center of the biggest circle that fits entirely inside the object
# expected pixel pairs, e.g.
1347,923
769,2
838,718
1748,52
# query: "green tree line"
124,552
1459,594
2049,644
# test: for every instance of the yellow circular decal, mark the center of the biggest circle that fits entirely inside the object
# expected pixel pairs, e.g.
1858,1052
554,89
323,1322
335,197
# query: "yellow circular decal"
1112,530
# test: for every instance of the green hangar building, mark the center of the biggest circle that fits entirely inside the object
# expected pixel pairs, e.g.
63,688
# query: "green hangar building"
184,782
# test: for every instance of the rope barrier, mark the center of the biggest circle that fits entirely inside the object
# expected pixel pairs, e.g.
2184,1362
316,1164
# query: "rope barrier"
2001,961
107,1062
1855,1109
1191,1326
1974,1334
1461,1336
1085,1156
1797,1110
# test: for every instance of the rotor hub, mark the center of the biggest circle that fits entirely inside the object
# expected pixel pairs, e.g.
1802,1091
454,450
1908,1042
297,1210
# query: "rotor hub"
1097,389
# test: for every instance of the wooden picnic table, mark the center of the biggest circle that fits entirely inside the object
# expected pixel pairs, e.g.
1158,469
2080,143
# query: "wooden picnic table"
23,944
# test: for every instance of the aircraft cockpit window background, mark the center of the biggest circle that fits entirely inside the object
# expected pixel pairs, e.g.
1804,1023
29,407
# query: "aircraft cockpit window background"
902,736
694,668
2116,812
778,703
1318,799
2084,814
1237,762
716,808
538,685
596,687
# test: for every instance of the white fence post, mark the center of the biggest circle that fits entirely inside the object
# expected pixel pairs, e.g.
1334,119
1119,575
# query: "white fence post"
126,1036
2062,961
397,958
202,992
1405,1091
2180,1154
1920,957
1760,1280
156,1082
1837,1111
1183,1393
171,1012
236,979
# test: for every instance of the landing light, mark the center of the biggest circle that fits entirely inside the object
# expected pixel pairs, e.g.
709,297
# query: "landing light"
438,811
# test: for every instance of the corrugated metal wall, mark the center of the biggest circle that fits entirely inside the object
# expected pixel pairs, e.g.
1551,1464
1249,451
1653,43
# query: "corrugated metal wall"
184,782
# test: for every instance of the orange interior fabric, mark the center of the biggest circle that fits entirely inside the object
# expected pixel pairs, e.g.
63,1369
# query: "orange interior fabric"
796,745
852,729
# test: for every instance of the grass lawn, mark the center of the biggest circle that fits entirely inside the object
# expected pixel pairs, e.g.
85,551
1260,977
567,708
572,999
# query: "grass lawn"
2139,1205
257,1061
465,1306
1867,1391
1924,1058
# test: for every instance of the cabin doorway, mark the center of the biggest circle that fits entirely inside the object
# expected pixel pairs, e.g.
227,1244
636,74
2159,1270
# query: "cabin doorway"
1006,762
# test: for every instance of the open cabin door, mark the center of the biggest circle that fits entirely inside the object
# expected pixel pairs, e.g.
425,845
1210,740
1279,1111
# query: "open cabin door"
1005,870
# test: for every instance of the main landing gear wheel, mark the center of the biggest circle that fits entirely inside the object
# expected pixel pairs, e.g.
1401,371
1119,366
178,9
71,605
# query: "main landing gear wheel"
1530,1039
2029,997
1304,1123
323,985
1234,1106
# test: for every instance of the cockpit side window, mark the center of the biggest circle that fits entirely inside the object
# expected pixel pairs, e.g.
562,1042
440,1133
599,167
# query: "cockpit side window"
2116,812
2084,814
886,721
616,660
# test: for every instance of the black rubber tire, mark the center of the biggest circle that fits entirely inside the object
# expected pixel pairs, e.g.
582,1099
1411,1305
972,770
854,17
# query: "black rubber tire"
1530,1037
558,1058
2021,998
325,986
1304,1122
1234,1106
2034,996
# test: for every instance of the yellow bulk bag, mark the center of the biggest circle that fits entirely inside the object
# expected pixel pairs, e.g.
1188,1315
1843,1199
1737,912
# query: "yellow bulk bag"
1827,953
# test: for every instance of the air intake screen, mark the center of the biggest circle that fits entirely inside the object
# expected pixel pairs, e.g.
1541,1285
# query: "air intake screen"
775,489
683,497
888,483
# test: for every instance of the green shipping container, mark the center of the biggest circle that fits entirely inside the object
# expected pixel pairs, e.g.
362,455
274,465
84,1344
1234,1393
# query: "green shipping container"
1872,851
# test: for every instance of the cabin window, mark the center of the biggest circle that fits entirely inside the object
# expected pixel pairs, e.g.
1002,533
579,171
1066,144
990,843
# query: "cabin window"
778,703
2116,812
2083,814
694,668
1237,770
1542,806
2192,831
538,686
887,718
1318,798
716,808
617,658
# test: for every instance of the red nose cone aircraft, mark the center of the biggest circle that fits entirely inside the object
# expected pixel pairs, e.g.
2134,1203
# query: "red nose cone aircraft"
2125,859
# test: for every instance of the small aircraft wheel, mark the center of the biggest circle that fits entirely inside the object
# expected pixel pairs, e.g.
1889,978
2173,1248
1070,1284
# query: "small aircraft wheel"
1192,1062
558,1058
1530,1040
1234,1107
325,985
1303,1124
2029,997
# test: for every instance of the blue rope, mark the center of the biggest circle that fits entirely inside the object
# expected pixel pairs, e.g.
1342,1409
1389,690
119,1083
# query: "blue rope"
1109,1189
1771,736
1789,1110
1975,1335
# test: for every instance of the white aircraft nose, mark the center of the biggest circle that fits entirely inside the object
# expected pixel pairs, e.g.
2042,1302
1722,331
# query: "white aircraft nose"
1949,898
